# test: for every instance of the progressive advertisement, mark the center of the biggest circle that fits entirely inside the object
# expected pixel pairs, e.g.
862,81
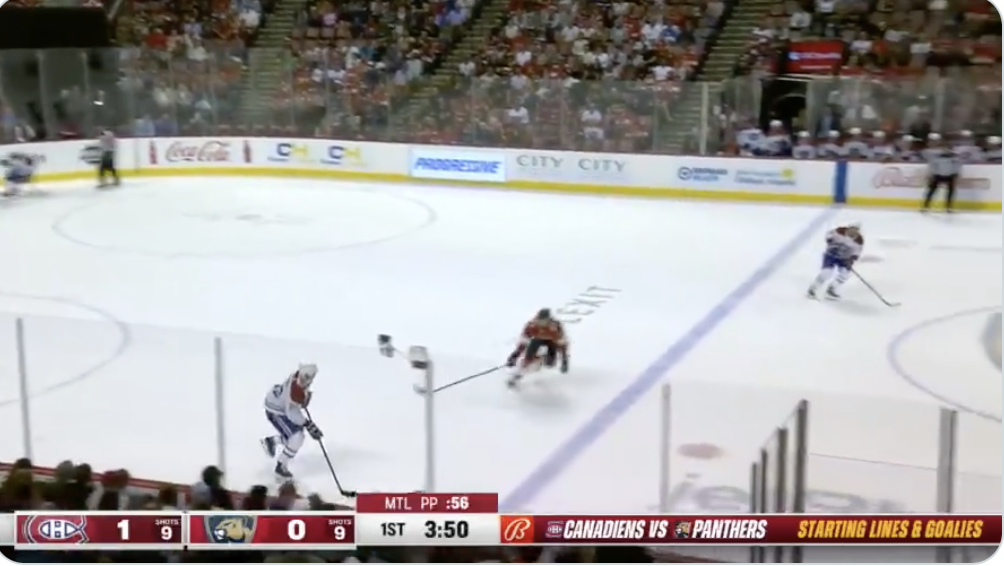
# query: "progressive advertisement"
979,186
448,165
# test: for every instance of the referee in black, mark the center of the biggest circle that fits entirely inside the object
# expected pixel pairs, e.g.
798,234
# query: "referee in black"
109,147
943,168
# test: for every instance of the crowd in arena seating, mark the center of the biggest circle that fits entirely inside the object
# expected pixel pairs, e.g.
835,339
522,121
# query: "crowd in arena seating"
551,74
591,76
72,487
361,59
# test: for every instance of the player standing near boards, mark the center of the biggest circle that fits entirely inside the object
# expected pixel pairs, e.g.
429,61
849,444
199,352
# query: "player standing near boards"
943,168
106,166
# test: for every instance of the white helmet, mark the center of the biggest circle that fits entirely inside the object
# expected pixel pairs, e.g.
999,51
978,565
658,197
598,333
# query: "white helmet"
305,374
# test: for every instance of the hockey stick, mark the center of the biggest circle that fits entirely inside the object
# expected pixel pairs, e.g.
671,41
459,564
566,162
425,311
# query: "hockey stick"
885,301
331,467
423,391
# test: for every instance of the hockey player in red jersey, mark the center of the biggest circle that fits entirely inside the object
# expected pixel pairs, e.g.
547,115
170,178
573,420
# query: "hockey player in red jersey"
543,332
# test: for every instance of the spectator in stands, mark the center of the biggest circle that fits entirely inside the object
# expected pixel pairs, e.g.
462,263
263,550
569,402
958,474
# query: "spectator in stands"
8,121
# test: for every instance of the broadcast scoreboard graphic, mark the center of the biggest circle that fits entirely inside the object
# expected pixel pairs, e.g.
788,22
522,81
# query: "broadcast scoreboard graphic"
472,519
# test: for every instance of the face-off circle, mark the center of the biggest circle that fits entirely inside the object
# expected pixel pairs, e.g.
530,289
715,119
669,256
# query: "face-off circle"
231,220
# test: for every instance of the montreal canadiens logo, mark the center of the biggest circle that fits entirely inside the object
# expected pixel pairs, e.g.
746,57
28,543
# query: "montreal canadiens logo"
61,530
555,529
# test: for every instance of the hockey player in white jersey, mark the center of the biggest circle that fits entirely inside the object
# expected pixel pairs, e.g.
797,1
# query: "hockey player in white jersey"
804,148
856,147
882,148
831,148
843,248
992,154
284,406
20,169
966,148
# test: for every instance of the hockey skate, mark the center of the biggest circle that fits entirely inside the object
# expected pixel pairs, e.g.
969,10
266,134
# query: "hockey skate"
811,293
282,471
268,444
832,294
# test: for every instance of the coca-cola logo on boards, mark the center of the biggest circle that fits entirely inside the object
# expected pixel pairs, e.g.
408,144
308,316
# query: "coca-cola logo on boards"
211,151
917,178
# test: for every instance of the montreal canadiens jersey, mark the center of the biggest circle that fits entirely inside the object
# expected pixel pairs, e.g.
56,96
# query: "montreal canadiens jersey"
857,149
970,153
20,169
830,150
804,151
286,399
883,152
842,246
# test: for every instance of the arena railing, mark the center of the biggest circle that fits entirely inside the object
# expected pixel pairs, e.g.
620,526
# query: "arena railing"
824,452
305,91
945,100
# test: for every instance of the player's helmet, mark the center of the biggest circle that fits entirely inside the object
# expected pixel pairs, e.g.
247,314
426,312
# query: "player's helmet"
544,314
305,374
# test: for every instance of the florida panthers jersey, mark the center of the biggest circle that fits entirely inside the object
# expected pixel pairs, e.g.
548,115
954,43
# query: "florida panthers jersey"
287,399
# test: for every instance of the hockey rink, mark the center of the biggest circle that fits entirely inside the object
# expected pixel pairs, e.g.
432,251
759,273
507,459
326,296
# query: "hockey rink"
123,293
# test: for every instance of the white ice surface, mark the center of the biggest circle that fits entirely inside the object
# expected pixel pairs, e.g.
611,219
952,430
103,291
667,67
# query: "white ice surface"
284,271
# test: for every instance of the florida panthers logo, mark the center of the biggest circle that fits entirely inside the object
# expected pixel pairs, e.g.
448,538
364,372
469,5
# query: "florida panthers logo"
681,529
230,529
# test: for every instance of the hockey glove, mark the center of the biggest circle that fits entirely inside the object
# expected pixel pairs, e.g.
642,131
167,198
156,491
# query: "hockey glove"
313,430
513,358
564,365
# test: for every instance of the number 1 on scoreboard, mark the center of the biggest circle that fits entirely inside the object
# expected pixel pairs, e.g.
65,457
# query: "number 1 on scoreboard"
169,530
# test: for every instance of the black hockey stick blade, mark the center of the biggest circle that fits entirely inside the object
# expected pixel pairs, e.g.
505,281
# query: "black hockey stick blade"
331,467
874,291
422,390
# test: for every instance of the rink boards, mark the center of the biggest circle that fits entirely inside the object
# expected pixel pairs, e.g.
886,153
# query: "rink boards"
722,178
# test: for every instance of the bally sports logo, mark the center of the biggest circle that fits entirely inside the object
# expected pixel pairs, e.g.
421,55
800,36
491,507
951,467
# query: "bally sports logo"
916,177
53,529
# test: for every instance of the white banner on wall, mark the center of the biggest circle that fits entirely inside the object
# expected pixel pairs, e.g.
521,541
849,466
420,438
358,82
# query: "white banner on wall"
752,175
574,167
908,181
315,154
197,152
58,158
776,180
